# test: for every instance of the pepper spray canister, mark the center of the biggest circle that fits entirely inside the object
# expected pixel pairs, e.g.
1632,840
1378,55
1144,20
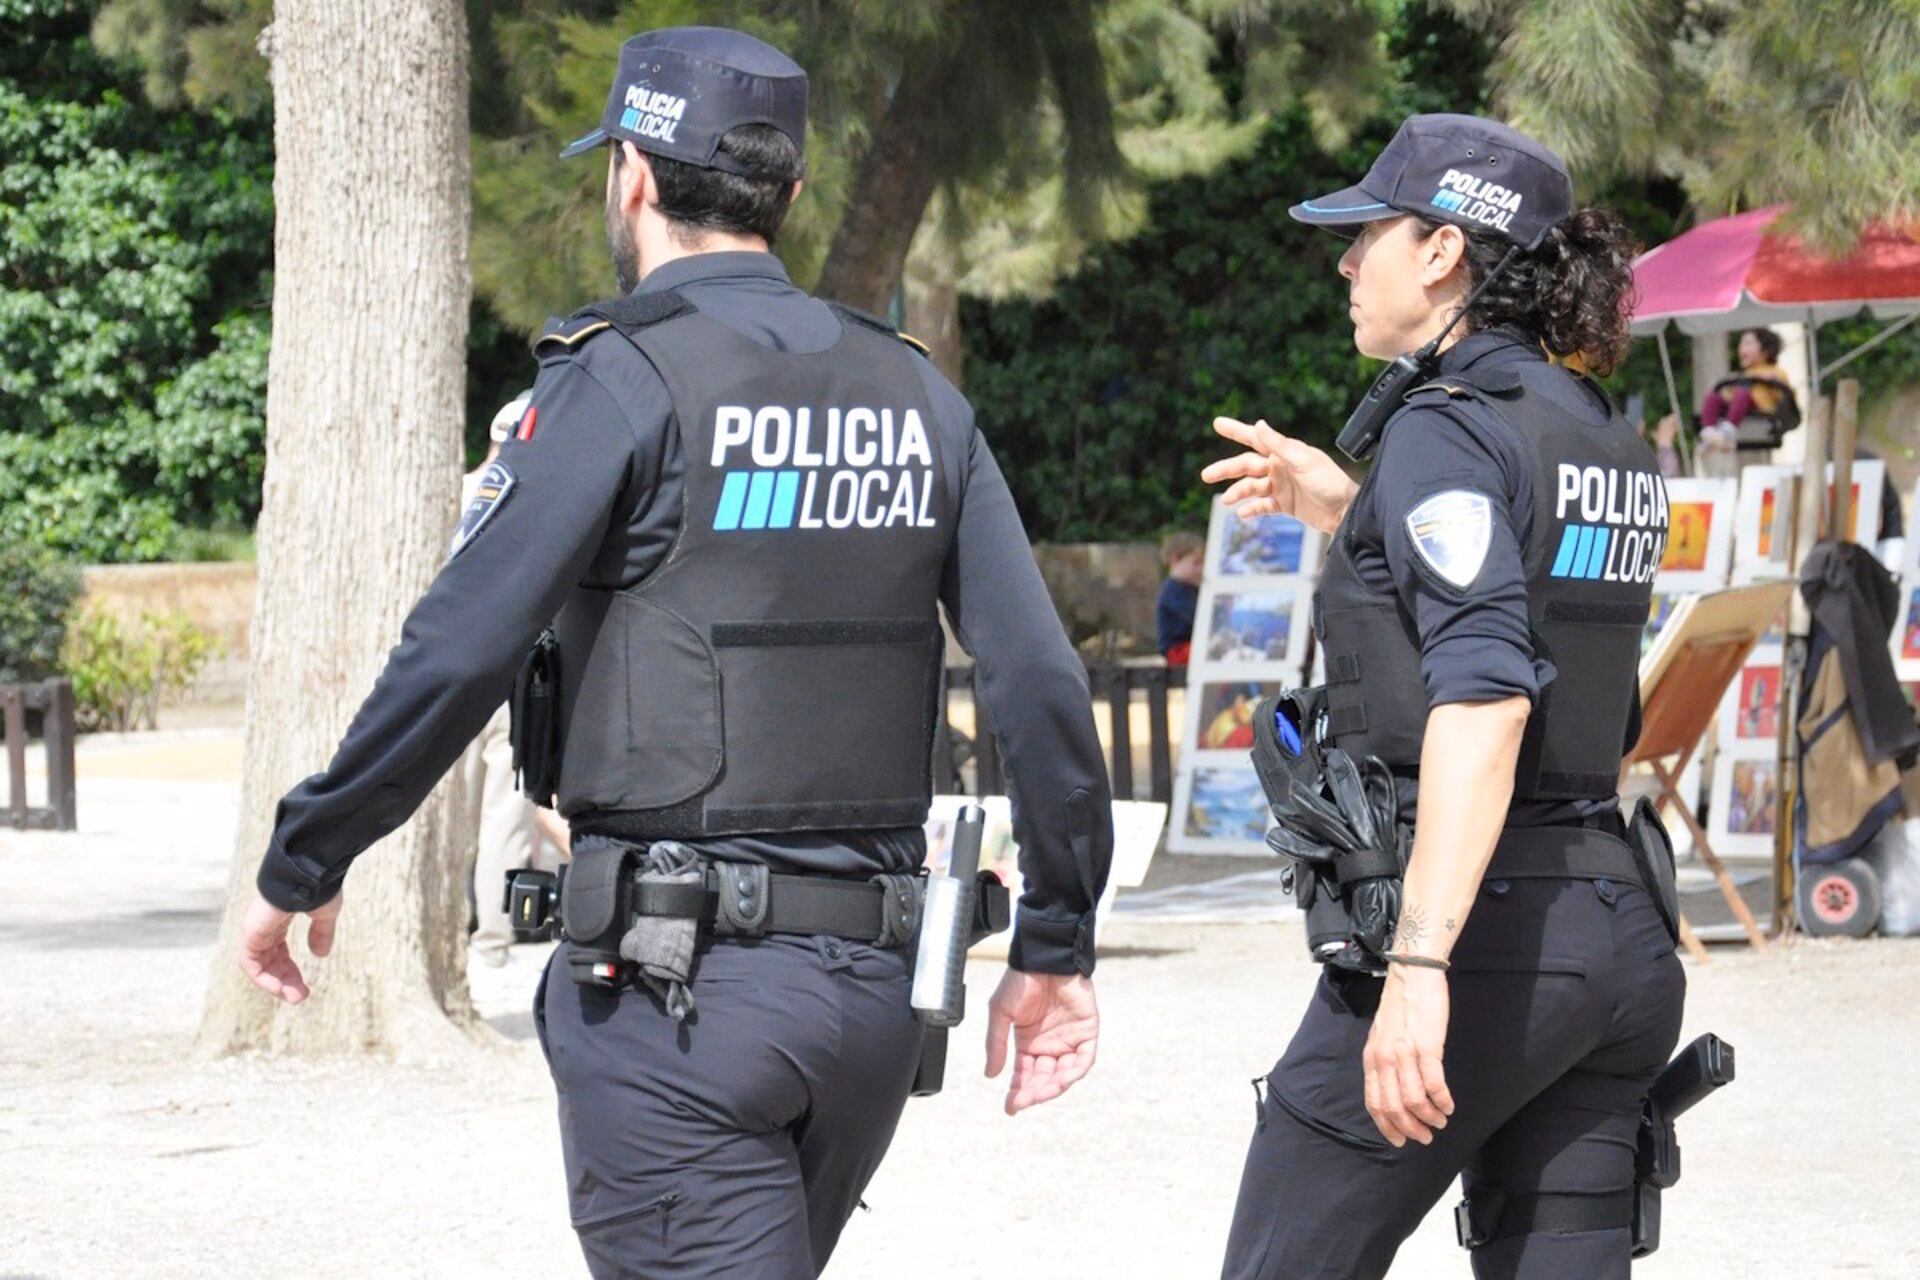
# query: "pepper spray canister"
939,968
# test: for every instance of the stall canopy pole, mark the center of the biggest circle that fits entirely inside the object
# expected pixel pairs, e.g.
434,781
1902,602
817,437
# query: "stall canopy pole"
1673,401
1868,345
1846,428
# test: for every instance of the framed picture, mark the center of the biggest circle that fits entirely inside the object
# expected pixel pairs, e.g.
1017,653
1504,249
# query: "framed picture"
1744,790
1658,612
1761,522
1241,624
1263,547
1699,548
1750,713
1218,807
1906,631
1221,712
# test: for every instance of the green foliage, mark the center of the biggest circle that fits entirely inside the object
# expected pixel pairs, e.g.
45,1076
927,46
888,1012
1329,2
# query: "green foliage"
218,545
1099,401
1748,102
1052,118
37,591
191,51
134,245
122,670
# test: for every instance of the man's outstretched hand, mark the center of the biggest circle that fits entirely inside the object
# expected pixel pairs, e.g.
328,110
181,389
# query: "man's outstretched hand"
264,956
1056,1029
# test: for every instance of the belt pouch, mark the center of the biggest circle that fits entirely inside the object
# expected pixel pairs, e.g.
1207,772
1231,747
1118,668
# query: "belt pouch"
591,905
1653,853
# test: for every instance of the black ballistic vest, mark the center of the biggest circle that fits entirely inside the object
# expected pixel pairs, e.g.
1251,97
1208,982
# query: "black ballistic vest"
779,671
1599,531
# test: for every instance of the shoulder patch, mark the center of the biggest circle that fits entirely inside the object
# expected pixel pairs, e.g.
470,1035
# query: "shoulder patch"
495,484
1451,531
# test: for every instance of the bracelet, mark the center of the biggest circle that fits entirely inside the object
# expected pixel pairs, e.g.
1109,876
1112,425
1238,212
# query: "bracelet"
1414,962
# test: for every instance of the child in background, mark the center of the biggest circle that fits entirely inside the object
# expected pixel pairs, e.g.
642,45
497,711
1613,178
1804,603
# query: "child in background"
1185,557
1759,353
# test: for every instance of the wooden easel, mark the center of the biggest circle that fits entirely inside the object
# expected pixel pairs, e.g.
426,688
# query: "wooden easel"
1682,680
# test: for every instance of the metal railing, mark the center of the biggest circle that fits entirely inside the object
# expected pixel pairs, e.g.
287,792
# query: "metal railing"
1117,684
54,700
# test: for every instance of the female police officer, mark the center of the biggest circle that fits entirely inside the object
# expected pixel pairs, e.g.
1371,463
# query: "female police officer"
1479,614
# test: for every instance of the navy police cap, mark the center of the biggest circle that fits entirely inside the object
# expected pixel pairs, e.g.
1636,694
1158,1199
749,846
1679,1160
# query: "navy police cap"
1473,172
678,90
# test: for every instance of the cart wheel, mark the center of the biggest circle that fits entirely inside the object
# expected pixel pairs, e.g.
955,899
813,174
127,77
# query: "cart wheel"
1840,901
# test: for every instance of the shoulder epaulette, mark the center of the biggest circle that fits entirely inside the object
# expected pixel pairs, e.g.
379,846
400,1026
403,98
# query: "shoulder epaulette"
635,311
871,321
567,335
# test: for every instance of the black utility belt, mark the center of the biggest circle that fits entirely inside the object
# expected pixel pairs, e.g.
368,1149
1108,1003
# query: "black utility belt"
814,905
1563,853
621,905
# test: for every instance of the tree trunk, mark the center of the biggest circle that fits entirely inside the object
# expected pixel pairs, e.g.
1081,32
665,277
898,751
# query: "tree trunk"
365,406
933,302
891,188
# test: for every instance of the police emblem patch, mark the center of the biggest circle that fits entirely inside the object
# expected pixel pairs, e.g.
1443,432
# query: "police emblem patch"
1452,531
495,484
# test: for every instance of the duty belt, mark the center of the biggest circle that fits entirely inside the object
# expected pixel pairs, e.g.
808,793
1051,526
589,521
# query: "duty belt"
1563,853
854,909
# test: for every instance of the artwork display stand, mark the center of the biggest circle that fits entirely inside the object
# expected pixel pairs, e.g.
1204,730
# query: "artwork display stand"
1682,681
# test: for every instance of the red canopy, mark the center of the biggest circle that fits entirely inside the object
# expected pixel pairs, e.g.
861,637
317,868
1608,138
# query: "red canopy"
1729,274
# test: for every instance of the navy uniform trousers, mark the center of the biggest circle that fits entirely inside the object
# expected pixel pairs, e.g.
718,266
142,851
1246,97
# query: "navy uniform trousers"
738,1142
1565,1001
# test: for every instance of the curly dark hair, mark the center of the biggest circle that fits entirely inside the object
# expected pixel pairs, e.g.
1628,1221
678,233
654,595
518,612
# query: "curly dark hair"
1573,293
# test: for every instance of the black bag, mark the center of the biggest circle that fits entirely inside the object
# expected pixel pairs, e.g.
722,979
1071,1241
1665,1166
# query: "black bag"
535,730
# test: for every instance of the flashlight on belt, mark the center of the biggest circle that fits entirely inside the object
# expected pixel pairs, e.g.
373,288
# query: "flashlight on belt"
939,993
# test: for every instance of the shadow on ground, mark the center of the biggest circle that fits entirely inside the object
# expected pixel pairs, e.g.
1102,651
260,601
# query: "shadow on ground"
160,927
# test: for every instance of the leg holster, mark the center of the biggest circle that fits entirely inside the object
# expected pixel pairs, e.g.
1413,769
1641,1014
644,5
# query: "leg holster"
1488,1214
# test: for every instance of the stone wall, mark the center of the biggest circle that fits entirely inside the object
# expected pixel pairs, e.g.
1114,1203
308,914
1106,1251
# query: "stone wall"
1104,592
218,598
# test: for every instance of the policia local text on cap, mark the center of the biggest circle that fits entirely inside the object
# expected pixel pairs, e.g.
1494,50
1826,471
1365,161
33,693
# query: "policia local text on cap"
1500,990
738,510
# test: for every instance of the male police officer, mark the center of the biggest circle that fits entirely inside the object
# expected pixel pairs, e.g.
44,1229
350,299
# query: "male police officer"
742,504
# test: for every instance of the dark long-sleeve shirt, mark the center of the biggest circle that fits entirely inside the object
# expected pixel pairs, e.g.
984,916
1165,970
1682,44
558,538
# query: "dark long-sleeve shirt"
1173,613
596,500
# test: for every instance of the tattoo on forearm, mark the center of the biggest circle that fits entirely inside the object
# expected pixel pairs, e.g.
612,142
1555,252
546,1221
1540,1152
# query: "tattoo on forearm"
1450,924
1413,926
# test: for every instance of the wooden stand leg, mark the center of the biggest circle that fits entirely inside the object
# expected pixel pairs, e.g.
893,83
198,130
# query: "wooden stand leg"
1728,890
1691,941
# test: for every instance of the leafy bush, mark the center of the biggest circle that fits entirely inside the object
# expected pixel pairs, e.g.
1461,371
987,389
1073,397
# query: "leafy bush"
1099,401
122,671
134,254
220,544
37,591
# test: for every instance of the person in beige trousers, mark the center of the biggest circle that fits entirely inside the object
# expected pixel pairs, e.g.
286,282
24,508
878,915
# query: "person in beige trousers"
511,827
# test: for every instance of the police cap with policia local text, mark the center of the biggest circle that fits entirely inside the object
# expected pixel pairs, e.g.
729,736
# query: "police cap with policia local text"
679,90
1476,173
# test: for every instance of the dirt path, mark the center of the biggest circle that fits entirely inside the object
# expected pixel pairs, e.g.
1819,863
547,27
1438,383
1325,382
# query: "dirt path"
118,1158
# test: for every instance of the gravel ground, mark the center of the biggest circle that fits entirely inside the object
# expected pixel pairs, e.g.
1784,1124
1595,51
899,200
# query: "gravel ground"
119,1157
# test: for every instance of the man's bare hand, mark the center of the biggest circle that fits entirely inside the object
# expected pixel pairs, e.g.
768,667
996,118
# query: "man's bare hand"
1056,1029
1280,476
264,956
